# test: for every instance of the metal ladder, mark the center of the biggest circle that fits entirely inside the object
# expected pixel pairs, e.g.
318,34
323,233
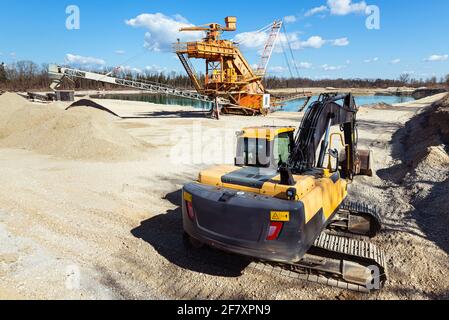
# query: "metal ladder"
190,69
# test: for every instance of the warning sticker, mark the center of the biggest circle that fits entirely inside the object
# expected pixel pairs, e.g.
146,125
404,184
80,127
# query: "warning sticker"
281,216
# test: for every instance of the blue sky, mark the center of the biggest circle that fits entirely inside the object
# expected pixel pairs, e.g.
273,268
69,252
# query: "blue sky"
331,41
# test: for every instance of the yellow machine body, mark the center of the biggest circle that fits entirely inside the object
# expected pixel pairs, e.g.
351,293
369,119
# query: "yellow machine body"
315,193
321,189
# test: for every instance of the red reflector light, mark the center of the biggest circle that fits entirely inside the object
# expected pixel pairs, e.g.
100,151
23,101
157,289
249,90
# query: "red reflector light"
275,230
190,211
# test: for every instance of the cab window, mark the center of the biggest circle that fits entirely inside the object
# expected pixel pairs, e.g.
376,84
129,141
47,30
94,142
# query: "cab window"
253,152
282,147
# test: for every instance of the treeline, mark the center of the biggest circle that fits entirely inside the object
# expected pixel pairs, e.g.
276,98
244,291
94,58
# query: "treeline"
23,75
404,80
27,76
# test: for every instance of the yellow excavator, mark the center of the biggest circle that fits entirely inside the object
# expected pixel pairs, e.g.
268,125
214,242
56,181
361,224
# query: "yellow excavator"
282,205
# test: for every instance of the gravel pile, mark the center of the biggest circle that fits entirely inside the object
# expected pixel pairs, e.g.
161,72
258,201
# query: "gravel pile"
78,133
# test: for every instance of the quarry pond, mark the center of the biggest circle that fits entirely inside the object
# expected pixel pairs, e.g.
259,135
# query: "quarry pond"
291,106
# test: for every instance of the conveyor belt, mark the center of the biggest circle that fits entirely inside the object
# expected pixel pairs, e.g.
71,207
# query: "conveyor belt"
58,72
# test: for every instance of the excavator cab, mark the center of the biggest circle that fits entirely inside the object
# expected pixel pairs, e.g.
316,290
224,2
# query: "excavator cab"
272,147
264,147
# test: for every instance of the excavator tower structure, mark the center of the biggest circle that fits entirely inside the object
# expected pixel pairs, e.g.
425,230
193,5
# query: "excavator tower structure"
228,74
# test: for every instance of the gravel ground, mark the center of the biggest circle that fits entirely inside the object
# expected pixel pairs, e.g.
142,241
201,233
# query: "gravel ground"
88,229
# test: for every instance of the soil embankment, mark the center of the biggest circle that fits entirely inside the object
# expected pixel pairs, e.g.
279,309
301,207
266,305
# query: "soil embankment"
423,93
422,148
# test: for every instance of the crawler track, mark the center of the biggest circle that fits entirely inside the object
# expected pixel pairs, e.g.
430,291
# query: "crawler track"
332,261
356,218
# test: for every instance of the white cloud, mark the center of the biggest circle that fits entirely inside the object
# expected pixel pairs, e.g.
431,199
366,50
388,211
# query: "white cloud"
78,60
257,40
163,30
277,69
327,67
148,69
437,57
292,38
120,52
290,19
371,60
304,65
155,69
342,42
180,18
316,10
251,40
129,69
395,61
315,42
345,7
280,69
348,61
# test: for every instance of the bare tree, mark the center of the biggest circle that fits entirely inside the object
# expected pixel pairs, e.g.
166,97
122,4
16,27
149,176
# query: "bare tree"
404,78
447,80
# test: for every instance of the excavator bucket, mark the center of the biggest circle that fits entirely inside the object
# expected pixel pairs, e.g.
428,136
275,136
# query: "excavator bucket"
365,163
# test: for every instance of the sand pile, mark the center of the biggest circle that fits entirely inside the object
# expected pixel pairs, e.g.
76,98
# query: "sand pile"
440,119
434,167
428,184
79,133
428,129
436,157
378,106
445,101
425,154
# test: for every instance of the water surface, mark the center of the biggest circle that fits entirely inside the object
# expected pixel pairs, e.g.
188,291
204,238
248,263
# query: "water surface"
291,106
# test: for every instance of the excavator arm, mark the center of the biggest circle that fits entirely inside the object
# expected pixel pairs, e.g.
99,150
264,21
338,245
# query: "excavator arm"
326,112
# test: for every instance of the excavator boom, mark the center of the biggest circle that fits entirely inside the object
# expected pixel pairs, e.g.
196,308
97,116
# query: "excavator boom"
327,111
